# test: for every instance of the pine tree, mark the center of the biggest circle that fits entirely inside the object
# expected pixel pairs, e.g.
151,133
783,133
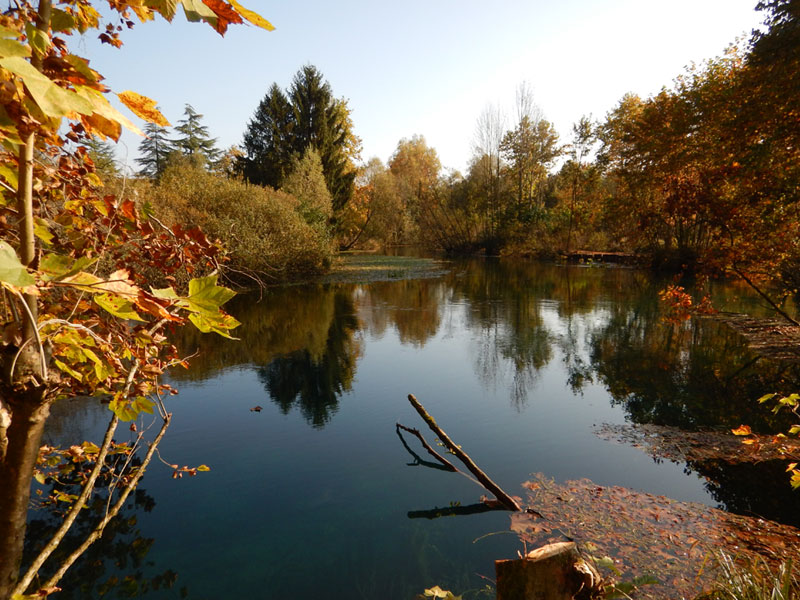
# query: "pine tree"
154,150
194,140
103,156
286,125
267,141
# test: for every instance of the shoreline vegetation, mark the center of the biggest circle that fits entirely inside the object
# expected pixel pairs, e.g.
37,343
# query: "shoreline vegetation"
701,179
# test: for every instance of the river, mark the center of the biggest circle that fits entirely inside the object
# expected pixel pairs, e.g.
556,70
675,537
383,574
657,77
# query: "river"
310,487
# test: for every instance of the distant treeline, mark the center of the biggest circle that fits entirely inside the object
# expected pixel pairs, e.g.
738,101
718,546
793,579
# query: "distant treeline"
702,176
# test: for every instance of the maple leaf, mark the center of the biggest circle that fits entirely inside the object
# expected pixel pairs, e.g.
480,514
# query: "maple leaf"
225,15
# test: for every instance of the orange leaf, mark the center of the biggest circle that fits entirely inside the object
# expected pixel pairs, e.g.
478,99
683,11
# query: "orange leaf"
143,107
99,125
742,430
152,307
225,14
254,18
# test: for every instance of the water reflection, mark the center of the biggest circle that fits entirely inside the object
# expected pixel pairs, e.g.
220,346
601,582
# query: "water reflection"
506,305
315,378
604,325
116,565
694,376
598,326
514,328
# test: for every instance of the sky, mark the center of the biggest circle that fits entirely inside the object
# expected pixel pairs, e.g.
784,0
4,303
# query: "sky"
422,67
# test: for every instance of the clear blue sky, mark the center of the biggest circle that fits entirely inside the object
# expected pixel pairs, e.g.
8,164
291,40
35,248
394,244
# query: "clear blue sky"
423,67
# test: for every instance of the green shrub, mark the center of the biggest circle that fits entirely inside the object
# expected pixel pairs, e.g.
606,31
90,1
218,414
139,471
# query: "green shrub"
266,237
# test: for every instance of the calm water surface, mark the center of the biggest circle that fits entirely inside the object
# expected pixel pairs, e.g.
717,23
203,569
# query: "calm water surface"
310,497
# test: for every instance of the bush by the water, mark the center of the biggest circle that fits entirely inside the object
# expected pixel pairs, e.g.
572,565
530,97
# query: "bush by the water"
266,237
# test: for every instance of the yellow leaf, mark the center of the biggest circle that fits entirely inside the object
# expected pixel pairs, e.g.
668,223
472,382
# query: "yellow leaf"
742,430
254,18
791,466
101,106
143,107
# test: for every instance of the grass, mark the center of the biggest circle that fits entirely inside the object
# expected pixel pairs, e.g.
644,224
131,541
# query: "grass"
754,581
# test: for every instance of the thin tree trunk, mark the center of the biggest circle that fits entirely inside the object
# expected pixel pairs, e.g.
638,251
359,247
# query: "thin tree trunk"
24,434
23,410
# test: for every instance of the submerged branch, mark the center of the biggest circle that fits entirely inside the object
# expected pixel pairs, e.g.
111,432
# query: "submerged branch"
452,511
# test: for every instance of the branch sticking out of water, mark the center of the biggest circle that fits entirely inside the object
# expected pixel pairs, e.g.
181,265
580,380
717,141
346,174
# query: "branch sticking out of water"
446,463
484,479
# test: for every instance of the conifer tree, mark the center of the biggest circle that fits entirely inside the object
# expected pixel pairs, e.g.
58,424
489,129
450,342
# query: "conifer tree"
194,140
154,150
286,124
103,156
267,141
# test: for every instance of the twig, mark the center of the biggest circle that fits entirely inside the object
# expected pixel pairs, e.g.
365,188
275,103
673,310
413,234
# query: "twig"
490,485
448,465
77,506
98,530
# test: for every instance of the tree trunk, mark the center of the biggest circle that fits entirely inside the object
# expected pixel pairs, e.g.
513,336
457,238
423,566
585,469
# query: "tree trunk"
22,419
552,572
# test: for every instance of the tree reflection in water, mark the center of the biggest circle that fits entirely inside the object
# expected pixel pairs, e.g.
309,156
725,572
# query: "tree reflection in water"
603,324
315,381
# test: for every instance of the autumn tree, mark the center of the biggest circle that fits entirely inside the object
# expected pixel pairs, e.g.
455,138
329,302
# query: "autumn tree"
78,316
529,150
416,167
708,170
578,176
306,182
486,169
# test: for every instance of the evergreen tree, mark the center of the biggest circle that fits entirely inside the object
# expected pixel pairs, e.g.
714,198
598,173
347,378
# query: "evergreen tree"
103,156
268,141
194,140
154,150
287,124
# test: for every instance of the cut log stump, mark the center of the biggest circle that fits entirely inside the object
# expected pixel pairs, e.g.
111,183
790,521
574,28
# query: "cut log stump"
552,572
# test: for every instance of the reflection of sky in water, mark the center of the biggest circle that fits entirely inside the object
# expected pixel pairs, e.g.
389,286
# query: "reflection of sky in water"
290,510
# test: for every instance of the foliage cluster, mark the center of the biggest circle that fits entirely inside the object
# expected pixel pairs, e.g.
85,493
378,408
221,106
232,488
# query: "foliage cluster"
702,176
78,317
286,124
264,232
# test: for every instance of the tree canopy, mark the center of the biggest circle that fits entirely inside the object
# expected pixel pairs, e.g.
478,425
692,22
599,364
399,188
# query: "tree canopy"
80,317
287,123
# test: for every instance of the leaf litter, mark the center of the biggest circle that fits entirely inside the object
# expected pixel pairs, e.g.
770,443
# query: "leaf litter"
644,534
